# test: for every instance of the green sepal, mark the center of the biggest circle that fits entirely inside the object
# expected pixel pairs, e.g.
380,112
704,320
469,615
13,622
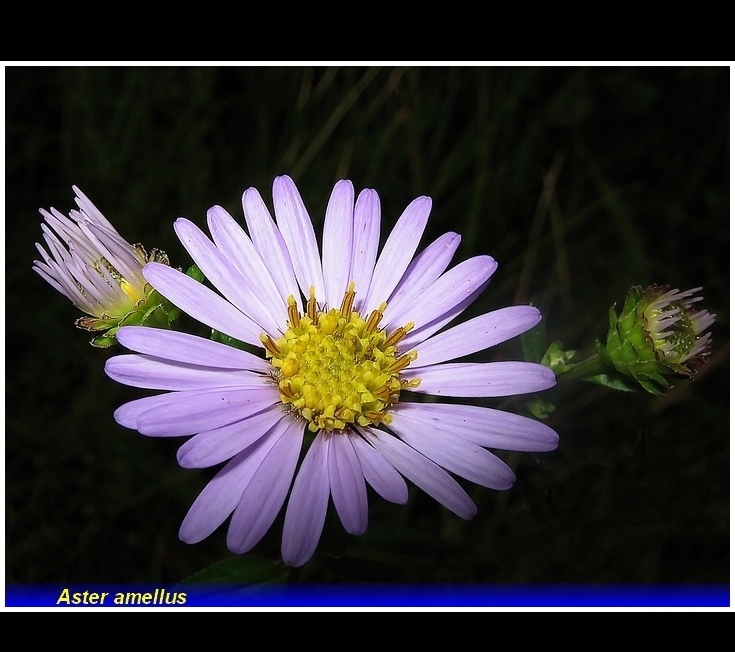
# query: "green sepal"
614,380
603,353
88,323
172,315
653,388
154,311
195,273
104,341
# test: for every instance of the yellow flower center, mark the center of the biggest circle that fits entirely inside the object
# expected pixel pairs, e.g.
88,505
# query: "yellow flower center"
334,368
130,291
123,306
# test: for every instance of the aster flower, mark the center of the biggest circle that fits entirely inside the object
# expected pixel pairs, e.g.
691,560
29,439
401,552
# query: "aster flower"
92,265
344,340
660,334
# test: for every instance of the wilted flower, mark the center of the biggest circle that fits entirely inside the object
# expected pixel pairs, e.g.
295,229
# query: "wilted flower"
98,270
346,338
658,335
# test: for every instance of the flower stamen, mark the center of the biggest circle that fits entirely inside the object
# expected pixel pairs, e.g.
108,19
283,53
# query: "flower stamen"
335,369
347,301
269,344
311,306
293,311
401,363
398,334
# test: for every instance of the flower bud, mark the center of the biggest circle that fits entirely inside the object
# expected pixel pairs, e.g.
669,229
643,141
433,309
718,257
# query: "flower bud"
658,335
92,265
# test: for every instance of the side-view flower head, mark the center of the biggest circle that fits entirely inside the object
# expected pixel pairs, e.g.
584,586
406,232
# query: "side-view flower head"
92,265
659,335
344,343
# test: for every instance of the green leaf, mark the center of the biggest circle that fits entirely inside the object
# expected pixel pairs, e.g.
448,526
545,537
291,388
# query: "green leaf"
249,569
533,343
615,381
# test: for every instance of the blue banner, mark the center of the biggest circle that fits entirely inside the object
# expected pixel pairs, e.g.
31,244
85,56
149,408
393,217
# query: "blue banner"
75,595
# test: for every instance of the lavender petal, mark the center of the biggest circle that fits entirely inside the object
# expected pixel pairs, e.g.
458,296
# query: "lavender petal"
484,426
422,333
222,494
201,303
298,233
154,373
237,248
268,240
379,473
347,485
189,349
424,473
456,454
397,252
307,506
224,276
176,414
337,242
428,266
220,444
476,334
265,493
365,240
482,378
449,290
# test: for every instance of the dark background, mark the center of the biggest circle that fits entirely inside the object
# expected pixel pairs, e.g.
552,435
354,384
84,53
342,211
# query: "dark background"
579,181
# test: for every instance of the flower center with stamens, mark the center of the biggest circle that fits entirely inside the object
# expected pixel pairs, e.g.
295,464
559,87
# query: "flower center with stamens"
335,368
112,273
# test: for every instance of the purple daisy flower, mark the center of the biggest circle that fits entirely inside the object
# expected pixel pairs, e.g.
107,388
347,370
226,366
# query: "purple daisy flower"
90,263
346,337
101,273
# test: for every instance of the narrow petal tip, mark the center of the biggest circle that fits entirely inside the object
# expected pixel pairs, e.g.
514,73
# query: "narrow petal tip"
548,378
126,417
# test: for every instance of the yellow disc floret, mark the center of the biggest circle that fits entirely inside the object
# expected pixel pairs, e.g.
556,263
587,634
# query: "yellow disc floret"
335,368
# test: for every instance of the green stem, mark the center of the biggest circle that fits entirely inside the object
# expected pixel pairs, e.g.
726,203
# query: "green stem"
592,366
